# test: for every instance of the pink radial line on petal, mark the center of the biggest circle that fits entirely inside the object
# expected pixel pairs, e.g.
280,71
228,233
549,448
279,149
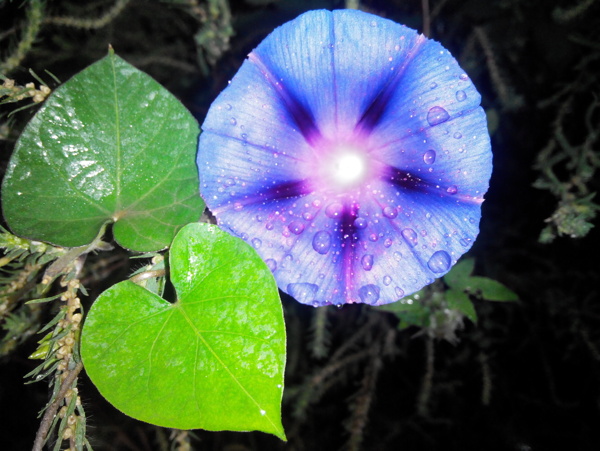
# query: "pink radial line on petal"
251,144
333,73
422,185
281,191
348,254
463,114
378,105
301,115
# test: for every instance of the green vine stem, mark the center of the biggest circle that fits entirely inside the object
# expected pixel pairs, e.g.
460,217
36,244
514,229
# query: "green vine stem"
35,15
93,23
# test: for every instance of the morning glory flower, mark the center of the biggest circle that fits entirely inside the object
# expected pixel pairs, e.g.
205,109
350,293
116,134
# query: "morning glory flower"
352,153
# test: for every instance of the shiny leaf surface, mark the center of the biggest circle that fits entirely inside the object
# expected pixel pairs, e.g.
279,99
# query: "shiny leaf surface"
110,145
214,359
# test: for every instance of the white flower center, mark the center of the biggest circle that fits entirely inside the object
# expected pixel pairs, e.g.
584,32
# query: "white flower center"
347,167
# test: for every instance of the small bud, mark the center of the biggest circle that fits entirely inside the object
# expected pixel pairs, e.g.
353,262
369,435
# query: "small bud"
67,434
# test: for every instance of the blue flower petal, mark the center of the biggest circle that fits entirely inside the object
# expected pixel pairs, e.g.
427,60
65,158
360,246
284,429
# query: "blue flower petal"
335,64
352,153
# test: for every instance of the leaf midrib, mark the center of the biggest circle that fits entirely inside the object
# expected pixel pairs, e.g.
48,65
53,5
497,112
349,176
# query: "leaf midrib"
117,132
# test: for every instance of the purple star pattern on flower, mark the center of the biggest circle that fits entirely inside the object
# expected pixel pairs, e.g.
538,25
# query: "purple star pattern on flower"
352,153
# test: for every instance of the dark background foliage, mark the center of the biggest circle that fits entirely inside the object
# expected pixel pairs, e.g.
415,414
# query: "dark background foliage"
527,377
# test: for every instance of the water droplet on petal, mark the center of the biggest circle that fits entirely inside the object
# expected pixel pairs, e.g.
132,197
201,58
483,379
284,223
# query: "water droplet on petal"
410,236
296,227
429,157
439,262
397,256
360,223
227,106
387,280
437,115
272,264
452,189
369,294
457,135
334,210
233,121
390,212
463,77
303,292
373,237
433,85
399,292
367,262
256,242
322,242
387,242
461,95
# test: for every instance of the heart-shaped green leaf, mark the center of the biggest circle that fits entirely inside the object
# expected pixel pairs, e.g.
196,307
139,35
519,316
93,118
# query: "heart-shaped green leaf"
110,144
214,359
